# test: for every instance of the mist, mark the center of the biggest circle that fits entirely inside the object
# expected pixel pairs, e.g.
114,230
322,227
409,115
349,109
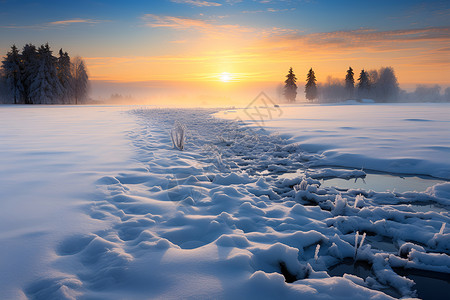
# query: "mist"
189,94
182,94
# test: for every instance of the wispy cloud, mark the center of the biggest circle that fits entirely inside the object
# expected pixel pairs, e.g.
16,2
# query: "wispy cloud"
53,24
181,23
75,21
365,36
270,10
211,27
197,2
369,39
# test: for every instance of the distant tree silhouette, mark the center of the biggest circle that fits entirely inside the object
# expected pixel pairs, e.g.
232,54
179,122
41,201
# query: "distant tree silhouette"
35,76
332,90
80,80
363,84
30,67
46,88
63,67
350,83
13,76
447,94
311,87
290,88
387,88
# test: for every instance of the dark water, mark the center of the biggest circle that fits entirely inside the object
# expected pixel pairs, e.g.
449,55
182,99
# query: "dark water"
429,285
359,268
381,243
379,182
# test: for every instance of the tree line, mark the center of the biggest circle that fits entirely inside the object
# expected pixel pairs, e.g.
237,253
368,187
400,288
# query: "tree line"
380,85
35,76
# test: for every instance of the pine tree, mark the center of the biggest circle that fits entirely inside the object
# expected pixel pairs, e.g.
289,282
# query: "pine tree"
13,76
350,83
30,68
290,88
65,76
3,89
363,84
80,80
37,77
311,87
46,88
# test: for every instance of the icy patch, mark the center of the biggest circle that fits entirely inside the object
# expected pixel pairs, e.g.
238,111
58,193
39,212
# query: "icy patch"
384,182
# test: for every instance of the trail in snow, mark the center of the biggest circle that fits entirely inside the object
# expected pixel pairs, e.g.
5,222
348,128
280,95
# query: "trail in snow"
217,221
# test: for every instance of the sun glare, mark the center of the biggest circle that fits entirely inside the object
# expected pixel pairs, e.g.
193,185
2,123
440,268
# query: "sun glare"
225,77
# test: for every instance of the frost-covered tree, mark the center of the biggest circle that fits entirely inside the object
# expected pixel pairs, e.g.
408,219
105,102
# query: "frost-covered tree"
363,84
46,87
447,94
30,68
65,76
386,88
80,80
373,76
3,88
427,93
333,90
350,83
290,88
37,77
311,87
12,75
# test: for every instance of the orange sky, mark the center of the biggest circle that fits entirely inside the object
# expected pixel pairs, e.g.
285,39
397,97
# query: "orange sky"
253,41
418,56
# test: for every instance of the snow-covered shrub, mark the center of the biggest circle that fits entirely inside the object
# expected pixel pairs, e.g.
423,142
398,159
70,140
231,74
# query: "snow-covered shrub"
302,186
339,205
360,244
316,253
359,201
441,231
178,135
440,240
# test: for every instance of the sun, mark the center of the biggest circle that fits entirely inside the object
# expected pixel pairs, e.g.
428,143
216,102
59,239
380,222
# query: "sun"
225,77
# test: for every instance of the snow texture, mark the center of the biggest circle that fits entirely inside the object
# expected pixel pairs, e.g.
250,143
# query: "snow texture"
393,138
99,205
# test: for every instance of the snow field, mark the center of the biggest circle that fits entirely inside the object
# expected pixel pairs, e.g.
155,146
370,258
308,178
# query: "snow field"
50,157
218,221
400,138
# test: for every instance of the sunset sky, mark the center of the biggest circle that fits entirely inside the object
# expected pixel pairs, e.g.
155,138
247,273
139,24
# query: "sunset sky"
247,40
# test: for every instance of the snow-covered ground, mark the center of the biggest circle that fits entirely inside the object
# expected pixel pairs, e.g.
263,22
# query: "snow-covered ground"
97,204
50,157
396,138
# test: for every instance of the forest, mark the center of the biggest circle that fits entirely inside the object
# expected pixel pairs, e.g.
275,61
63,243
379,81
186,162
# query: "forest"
35,76
369,85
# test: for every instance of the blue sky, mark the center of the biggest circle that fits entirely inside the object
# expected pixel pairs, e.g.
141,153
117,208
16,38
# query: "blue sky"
120,29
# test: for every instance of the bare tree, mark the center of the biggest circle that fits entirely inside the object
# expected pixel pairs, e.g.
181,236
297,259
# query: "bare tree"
80,80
